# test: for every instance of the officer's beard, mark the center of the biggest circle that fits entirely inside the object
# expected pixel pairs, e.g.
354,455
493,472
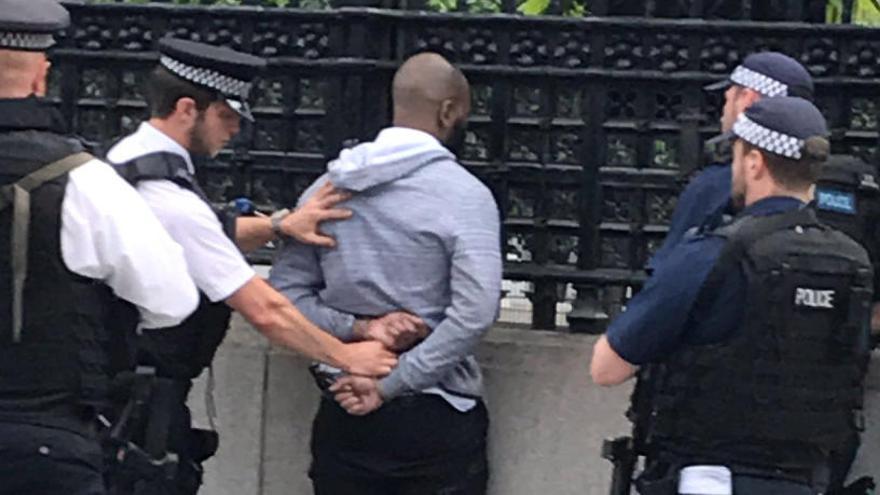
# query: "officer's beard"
198,146
738,196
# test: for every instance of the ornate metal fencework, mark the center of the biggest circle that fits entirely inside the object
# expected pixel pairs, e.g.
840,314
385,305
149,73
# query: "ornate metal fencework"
584,127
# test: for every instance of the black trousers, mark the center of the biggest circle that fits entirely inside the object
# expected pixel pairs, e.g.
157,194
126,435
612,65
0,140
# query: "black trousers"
425,485
414,445
48,461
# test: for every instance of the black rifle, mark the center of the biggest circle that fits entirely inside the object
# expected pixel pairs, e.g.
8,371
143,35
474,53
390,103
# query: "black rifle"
621,452
147,398
624,452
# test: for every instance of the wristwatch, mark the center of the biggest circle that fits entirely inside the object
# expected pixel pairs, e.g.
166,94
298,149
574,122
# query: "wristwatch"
276,219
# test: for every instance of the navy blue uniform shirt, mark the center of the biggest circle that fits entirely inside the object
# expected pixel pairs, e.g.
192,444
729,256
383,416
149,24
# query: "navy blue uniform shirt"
663,316
707,193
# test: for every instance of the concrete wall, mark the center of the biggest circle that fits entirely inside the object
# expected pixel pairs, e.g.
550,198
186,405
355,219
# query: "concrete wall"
548,420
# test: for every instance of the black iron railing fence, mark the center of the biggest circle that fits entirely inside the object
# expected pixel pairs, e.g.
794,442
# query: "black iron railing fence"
584,127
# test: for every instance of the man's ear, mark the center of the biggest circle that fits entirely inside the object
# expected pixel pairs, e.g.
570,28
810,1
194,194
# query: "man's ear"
41,76
186,110
447,115
755,165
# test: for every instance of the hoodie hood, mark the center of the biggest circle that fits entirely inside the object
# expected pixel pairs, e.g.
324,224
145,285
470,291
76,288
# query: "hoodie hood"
396,153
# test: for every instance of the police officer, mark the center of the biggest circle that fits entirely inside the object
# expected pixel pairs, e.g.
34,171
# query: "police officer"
847,197
755,332
73,238
197,96
761,75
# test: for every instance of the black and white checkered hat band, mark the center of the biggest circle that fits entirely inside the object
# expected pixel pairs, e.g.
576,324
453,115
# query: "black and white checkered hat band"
26,41
765,85
206,77
768,139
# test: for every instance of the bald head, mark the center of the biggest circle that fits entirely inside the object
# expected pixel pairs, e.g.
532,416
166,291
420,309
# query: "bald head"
425,80
431,95
22,73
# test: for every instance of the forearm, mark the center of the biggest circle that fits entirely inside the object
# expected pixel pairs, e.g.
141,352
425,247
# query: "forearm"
252,233
276,318
289,328
337,323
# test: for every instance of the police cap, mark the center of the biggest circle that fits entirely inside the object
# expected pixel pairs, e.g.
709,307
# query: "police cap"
216,68
780,125
28,25
771,74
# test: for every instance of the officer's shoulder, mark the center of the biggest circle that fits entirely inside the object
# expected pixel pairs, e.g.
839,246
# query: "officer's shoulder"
125,150
701,247
98,170
712,173
847,246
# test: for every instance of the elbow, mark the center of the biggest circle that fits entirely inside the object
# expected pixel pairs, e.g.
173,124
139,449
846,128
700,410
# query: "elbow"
603,377
486,319
607,368
483,317
267,322
266,317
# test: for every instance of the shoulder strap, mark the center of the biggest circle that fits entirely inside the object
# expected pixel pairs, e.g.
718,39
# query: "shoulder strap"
163,165
160,166
18,195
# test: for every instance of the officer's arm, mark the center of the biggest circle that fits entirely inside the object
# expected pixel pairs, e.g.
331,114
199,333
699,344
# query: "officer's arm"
108,233
252,233
607,367
302,224
276,318
657,320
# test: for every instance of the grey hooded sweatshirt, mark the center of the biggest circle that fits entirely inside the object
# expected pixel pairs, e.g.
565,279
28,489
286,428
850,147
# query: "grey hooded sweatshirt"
424,238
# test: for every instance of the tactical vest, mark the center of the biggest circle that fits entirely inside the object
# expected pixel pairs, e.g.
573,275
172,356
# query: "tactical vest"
848,198
787,387
181,352
55,349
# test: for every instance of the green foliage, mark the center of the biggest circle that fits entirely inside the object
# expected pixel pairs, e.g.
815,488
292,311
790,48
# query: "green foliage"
534,7
474,6
528,7
576,8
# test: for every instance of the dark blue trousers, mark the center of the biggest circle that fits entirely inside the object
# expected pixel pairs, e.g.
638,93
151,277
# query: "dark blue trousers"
48,461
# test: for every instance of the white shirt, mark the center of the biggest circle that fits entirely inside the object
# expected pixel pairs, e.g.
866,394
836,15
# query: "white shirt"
109,234
215,263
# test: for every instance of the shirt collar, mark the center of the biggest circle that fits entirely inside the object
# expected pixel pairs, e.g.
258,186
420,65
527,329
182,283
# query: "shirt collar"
772,205
31,113
156,140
